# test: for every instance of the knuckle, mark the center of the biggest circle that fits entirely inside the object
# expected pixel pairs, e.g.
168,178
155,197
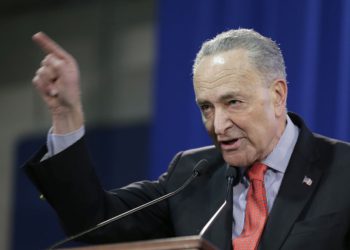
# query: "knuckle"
57,64
35,80
40,71
46,60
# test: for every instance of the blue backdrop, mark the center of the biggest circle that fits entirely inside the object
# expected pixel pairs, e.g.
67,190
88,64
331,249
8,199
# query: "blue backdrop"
314,37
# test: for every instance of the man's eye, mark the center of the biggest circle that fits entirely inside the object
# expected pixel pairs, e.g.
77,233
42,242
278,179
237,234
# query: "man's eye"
234,102
204,107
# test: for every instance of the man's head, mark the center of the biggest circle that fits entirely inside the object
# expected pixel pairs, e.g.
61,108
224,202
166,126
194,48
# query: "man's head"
240,86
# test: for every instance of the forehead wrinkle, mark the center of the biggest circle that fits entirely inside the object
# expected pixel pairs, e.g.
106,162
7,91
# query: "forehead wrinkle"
207,84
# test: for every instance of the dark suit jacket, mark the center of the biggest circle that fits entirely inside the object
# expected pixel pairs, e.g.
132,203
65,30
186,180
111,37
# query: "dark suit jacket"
304,216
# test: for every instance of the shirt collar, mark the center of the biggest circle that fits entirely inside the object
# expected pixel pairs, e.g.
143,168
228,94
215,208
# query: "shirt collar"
279,158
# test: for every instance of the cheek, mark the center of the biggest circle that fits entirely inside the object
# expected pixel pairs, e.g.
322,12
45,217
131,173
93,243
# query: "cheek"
257,128
262,132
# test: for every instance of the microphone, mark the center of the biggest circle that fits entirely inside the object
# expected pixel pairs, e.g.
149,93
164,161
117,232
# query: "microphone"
231,176
200,168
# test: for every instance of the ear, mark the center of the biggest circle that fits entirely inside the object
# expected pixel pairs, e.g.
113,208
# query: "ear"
279,91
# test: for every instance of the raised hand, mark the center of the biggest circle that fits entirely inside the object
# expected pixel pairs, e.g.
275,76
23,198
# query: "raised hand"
57,81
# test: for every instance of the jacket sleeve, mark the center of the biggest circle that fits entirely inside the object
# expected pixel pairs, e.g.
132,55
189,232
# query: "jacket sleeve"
69,183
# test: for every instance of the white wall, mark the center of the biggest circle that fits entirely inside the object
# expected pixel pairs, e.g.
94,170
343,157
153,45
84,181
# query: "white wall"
113,42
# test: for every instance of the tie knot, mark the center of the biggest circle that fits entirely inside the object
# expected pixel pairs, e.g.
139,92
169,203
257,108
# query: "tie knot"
257,171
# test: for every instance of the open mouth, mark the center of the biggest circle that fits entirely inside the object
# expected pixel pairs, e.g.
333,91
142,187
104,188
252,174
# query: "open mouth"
230,144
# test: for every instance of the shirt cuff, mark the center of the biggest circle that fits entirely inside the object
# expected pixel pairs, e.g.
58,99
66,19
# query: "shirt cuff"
57,143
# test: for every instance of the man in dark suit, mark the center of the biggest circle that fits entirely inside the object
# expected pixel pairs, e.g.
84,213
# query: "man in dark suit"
292,184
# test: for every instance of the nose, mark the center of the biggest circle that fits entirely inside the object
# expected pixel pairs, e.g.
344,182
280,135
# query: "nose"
222,122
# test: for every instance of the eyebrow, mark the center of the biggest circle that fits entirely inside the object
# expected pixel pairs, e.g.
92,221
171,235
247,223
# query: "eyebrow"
228,96
224,97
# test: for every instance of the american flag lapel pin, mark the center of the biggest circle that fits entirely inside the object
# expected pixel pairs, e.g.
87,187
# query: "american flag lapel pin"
307,181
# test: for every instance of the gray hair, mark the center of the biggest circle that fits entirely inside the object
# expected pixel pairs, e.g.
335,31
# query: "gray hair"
264,53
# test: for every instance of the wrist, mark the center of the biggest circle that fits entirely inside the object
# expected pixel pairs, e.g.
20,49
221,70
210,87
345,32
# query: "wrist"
67,122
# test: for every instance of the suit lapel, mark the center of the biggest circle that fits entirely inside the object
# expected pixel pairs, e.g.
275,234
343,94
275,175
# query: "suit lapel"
299,183
220,232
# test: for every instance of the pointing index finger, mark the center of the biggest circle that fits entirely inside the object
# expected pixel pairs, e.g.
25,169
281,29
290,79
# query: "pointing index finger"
48,45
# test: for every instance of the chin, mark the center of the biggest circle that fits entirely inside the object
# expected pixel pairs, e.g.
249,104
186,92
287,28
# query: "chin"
236,160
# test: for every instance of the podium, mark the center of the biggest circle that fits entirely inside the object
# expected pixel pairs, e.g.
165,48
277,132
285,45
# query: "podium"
176,243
